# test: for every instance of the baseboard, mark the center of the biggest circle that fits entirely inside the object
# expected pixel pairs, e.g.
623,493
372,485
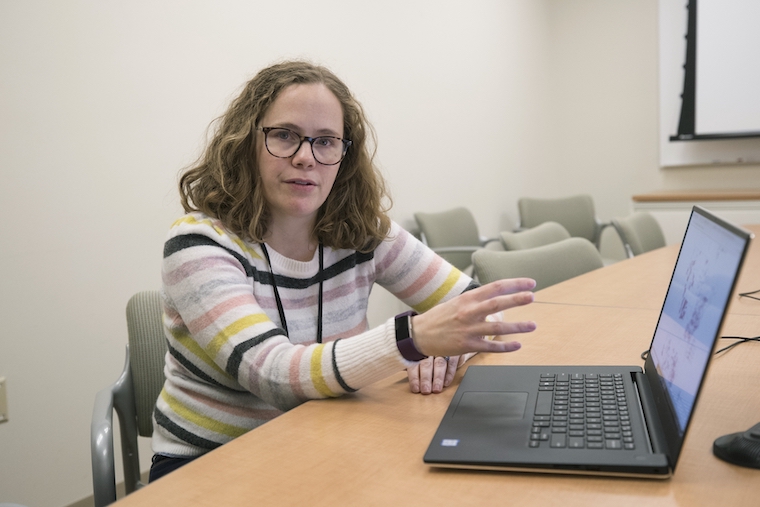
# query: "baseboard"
90,500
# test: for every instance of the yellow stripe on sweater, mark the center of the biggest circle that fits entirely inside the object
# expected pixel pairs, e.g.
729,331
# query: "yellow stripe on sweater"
192,346
220,339
194,417
440,293
317,377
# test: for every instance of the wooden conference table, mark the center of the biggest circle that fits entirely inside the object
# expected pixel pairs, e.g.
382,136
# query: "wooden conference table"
366,449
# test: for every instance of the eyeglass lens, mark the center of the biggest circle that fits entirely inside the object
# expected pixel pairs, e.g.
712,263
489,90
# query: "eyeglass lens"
284,143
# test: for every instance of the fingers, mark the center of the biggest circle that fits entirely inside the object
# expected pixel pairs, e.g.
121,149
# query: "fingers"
500,303
497,296
499,346
433,374
498,328
440,373
452,363
503,287
413,373
459,325
426,367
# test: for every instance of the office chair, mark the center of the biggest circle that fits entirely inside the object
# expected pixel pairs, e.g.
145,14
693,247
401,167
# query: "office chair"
547,264
542,234
640,233
576,214
452,234
133,396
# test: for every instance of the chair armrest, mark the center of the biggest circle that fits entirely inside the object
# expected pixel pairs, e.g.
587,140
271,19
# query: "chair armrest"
600,227
101,449
621,235
495,245
484,240
113,397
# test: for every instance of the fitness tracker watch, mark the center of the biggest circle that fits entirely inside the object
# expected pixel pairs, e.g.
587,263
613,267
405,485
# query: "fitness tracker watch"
404,335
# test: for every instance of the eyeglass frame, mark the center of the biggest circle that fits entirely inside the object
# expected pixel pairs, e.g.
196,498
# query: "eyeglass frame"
346,143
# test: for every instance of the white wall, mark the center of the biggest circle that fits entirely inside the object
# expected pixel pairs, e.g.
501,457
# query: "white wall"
102,104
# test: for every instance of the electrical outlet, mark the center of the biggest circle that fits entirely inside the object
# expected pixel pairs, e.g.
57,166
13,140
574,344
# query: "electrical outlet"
3,402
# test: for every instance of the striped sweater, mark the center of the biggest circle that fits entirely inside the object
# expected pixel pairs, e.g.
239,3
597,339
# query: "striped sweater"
230,367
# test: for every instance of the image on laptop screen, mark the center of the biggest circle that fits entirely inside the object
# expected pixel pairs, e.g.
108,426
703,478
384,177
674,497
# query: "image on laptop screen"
692,312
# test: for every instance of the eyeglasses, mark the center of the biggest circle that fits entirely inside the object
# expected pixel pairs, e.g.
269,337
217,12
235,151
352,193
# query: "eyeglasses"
284,143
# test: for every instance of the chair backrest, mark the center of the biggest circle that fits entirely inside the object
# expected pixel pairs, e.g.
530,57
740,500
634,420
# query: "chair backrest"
547,264
542,234
147,351
452,228
640,233
576,214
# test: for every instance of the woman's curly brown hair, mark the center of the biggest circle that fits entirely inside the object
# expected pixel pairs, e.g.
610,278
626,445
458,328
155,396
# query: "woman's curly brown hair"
225,183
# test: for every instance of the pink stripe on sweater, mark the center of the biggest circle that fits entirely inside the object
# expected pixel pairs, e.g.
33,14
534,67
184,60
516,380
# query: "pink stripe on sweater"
394,252
195,266
424,278
263,351
362,327
198,324
295,374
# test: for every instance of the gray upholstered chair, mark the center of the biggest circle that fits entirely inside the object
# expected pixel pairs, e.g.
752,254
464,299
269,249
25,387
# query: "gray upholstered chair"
640,233
452,234
542,234
133,397
547,264
576,214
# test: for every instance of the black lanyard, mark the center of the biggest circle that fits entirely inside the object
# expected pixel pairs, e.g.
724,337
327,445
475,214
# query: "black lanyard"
281,310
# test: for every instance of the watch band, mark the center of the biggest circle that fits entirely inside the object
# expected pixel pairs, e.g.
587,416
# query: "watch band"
404,334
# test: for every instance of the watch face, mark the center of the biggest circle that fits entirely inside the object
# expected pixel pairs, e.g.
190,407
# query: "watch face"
402,326
404,340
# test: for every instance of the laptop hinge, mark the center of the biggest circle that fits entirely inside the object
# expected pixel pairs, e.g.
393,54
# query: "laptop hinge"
649,413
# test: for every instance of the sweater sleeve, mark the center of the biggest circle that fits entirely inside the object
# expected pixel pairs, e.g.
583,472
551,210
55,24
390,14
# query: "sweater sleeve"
415,274
219,334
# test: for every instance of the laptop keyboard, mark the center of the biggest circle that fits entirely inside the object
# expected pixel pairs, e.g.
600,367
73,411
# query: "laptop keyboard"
582,411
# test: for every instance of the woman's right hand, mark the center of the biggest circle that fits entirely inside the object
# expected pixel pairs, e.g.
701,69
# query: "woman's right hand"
459,325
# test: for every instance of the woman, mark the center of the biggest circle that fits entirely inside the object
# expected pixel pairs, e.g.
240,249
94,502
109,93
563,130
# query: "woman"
266,279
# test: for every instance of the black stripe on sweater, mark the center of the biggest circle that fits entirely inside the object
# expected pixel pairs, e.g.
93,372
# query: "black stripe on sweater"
233,363
177,355
177,243
181,433
343,265
337,373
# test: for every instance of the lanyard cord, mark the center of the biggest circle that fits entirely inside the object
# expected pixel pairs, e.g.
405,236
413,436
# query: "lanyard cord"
280,308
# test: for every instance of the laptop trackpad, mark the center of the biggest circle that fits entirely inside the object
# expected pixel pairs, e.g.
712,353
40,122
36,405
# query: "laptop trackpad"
479,405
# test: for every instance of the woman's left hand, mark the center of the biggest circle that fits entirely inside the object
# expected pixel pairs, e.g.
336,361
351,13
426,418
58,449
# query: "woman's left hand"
431,375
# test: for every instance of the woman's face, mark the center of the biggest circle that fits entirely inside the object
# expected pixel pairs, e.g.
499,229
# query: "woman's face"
297,186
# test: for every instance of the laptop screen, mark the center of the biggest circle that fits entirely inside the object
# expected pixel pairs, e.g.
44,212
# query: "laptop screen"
693,311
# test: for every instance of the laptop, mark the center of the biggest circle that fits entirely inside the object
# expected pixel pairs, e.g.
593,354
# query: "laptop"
604,420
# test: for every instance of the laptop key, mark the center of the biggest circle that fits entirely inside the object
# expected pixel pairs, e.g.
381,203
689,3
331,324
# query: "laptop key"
544,403
613,444
558,440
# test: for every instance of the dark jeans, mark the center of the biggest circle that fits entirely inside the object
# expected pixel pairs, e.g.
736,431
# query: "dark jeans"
162,465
